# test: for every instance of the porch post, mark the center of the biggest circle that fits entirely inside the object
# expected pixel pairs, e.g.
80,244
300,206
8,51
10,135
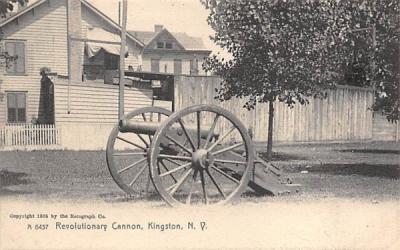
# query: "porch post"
122,61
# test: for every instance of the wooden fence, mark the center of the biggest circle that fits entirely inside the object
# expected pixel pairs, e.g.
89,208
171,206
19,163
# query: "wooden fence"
343,116
29,135
385,130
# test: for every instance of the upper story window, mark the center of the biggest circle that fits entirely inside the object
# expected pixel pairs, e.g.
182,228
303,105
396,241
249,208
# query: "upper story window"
168,45
16,49
16,107
164,45
160,45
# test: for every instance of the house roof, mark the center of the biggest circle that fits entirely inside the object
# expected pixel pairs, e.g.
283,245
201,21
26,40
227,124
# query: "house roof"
84,2
110,21
21,12
188,42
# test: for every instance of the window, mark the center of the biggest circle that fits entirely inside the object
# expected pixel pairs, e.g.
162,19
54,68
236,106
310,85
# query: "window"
168,45
160,45
16,49
16,107
194,70
155,65
177,66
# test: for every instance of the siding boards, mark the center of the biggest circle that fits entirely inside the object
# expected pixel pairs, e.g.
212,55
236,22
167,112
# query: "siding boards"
45,37
92,103
343,116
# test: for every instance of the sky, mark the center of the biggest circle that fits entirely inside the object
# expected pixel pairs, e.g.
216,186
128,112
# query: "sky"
188,16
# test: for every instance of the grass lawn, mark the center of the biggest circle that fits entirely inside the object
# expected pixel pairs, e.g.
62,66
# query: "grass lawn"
359,170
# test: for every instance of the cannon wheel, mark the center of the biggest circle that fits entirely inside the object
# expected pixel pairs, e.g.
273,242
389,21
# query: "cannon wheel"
129,166
206,171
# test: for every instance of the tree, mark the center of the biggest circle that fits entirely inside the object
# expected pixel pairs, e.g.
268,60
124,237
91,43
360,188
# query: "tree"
8,5
376,64
285,51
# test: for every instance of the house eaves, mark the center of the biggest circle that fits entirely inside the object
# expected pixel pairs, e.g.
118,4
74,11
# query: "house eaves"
110,21
23,11
87,4
158,34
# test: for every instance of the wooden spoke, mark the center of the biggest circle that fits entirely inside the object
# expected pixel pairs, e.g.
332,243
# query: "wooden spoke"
187,134
229,161
178,144
130,153
238,155
165,167
158,169
188,199
132,165
177,185
210,133
203,186
132,143
228,148
225,174
226,181
145,119
221,138
215,183
138,174
148,185
175,157
137,147
198,129
143,140
172,161
176,169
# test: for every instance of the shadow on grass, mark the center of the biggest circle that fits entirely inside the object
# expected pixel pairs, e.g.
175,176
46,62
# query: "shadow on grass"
8,178
371,151
120,197
277,156
369,170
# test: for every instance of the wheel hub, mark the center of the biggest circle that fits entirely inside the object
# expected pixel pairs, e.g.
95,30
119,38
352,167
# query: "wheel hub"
202,159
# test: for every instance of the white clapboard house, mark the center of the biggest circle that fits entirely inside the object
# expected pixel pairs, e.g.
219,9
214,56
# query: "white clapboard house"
61,90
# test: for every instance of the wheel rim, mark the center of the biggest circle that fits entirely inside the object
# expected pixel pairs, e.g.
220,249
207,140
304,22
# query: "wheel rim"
206,171
126,153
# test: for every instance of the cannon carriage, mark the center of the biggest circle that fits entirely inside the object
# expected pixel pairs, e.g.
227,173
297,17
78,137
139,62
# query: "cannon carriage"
200,154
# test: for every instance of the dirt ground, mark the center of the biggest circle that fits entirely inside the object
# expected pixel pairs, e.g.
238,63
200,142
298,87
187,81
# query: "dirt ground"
368,171
349,199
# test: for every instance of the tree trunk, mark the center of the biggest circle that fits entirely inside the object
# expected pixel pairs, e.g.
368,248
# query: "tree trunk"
270,130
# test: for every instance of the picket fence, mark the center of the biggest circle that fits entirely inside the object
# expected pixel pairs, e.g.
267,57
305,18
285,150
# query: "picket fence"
29,135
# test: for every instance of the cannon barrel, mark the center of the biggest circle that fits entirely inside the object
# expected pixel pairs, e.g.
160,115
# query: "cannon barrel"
150,128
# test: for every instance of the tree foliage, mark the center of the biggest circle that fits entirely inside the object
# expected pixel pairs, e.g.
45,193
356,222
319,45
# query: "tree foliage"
376,65
292,50
8,5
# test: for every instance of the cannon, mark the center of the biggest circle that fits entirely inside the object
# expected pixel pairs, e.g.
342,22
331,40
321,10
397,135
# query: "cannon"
200,154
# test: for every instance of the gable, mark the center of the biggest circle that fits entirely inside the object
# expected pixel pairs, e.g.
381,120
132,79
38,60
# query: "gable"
165,41
101,17
42,29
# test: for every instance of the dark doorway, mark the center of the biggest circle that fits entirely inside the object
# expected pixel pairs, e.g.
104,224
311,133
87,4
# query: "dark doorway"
46,102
